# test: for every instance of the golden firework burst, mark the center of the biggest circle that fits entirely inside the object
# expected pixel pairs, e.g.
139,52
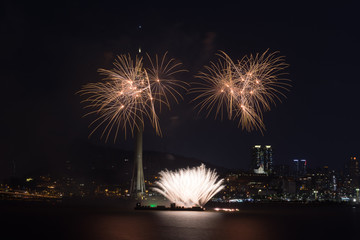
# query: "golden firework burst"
242,90
130,93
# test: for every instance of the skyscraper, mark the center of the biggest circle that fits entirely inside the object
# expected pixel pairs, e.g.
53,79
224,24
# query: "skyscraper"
262,160
257,159
299,167
354,167
302,167
268,159
295,167
354,171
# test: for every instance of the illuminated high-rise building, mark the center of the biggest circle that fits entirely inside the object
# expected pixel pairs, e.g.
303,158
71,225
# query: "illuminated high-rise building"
299,167
262,159
354,168
354,171
302,167
295,167
257,159
268,159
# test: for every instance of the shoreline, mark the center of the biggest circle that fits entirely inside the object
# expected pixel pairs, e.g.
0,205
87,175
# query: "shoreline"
130,204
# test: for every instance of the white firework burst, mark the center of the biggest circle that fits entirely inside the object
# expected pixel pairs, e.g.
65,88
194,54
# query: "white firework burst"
189,187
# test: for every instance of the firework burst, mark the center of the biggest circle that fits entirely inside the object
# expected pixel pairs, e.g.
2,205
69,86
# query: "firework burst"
130,93
242,89
189,187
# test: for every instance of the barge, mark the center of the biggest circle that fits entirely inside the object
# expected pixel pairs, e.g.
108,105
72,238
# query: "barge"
172,207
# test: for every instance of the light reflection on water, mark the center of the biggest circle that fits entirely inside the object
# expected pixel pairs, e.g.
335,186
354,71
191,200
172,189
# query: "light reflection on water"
124,226
114,224
178,225
243,225
189,225
212,225
155,225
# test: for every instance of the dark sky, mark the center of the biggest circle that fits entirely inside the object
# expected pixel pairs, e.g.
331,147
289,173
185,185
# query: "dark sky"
49,51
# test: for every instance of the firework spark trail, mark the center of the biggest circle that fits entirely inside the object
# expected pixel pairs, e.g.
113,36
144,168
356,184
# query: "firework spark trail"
129,93
243,89
163,84
189,187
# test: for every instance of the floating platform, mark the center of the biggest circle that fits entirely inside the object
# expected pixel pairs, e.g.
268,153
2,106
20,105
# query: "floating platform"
171,208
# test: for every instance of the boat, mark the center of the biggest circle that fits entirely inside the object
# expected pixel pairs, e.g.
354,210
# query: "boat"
172,207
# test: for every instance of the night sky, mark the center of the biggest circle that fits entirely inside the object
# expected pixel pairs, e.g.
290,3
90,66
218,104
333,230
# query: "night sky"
49,51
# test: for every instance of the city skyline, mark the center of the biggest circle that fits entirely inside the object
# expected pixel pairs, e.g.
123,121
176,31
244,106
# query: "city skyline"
104,176
260,161
317,121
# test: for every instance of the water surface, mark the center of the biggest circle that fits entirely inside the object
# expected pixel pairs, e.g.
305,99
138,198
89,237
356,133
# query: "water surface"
110,223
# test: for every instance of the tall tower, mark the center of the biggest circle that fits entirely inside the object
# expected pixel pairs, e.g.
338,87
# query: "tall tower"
137,188
139,28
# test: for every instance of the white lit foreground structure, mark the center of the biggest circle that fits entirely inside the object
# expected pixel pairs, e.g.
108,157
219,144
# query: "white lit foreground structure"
189,187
